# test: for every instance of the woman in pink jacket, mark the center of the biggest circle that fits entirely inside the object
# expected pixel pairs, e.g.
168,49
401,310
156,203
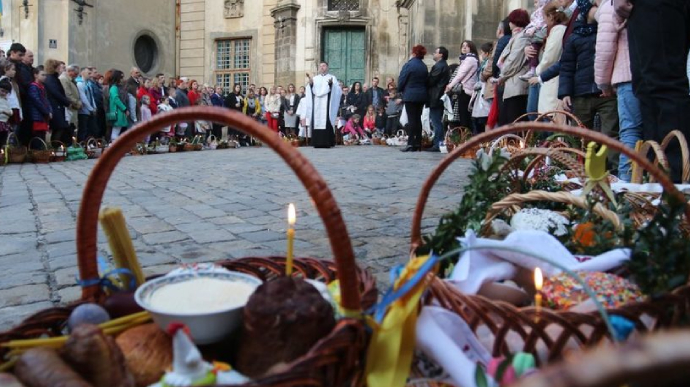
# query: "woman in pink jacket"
613,75
465,78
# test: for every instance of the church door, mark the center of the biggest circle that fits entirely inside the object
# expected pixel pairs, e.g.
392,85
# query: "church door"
345,52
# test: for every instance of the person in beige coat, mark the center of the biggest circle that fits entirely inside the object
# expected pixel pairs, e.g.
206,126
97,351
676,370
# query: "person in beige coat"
556,21
514,64
72,92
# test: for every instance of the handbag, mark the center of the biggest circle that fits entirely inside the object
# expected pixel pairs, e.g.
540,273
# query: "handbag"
275,115
111,116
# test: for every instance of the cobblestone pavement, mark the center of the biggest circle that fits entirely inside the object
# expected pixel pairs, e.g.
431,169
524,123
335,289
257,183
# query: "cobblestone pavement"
206,206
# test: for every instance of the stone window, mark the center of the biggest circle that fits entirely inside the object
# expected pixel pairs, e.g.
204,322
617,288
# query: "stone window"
343,5
145,53
232,63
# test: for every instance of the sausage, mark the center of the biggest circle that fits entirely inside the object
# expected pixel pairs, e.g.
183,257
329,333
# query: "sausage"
43,367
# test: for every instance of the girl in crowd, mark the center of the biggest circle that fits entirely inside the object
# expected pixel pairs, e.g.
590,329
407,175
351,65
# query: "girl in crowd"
462,84
273,109
118,112
163,107
145,113
369,123
482,97
145,88
290,103
252,106
5,110
263,93
41,108
9,72
356,100
353,127
193,93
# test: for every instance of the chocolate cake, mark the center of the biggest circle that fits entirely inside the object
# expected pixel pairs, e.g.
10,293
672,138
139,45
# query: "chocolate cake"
283,319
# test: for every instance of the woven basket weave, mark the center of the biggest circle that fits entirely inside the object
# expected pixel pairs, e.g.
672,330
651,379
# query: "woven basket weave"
506,321
336,360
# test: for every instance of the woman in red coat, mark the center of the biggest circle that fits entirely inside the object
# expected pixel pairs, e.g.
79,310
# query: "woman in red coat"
144,89
194,93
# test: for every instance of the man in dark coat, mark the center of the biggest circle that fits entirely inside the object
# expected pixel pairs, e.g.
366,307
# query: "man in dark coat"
439,76
413,87
376,95
133,81
24,76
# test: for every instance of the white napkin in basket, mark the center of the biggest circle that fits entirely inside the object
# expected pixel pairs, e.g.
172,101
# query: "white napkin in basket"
477,267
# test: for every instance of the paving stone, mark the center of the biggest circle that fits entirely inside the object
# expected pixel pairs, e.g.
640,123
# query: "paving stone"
25,294
179,211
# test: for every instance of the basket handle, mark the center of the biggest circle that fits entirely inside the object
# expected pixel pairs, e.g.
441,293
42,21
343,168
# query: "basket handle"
644,150
677,134
45,146
516,200
614,146
87,220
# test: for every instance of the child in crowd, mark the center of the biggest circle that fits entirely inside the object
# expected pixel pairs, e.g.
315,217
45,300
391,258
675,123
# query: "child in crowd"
393,111
5,110
164,107
145,113
536,30
41,112
370,121
381,120
353,127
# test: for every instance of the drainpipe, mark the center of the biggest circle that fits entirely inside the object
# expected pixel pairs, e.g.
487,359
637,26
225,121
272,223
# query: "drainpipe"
178,36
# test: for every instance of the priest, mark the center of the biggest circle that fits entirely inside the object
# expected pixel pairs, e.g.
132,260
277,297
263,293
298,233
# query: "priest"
321,110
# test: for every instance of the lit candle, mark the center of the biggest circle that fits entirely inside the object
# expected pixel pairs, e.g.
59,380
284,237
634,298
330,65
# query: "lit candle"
291,238
538,284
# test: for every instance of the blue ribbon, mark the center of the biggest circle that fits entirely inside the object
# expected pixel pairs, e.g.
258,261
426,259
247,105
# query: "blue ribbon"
392,295
106,283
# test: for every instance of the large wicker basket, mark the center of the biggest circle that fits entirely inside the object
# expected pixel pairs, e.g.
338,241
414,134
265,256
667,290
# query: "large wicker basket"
657,360
336,360
507,322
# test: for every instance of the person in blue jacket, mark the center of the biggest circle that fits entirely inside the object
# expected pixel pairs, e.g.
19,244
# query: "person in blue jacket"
412,85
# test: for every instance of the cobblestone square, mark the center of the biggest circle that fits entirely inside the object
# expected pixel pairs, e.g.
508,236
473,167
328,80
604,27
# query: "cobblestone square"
206,206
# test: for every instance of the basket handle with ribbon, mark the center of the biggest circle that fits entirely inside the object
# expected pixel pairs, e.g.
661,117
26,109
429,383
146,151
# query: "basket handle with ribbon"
87,220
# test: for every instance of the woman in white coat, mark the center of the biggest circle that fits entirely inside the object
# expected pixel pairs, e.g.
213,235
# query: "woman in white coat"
556,21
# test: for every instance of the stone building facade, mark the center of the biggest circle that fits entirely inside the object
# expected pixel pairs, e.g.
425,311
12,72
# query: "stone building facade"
103,33
267,42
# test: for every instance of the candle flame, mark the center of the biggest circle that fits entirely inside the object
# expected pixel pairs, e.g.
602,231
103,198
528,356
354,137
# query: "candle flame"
292,216
538,279
522,145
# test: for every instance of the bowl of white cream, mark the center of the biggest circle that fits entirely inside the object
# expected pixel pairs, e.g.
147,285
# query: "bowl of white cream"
209,303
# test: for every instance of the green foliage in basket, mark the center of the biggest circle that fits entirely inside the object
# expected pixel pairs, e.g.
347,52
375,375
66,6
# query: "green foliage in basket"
660,259
487,185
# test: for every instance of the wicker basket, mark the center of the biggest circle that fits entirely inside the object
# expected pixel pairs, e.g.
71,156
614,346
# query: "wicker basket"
657,360
16,153
336,360
59,151
660,156
506,321
40,156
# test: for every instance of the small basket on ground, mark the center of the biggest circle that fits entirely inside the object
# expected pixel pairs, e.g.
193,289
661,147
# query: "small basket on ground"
59,151
40,156
16,153
336,360
554,332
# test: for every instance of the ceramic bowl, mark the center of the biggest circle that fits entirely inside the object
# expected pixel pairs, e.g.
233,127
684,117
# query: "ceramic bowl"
205,328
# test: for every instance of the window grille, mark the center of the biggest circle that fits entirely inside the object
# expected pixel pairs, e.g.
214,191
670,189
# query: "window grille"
343,5
232,63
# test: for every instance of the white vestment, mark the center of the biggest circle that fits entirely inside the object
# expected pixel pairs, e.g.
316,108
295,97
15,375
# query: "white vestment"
317,101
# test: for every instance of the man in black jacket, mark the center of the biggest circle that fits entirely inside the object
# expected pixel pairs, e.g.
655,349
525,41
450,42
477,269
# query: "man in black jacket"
439,76
375,95
24,76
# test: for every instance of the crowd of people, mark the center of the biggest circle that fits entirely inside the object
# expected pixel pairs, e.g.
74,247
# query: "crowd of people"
602,60
620,66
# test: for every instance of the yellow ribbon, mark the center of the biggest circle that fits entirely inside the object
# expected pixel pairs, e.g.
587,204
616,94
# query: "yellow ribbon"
389,357
595,169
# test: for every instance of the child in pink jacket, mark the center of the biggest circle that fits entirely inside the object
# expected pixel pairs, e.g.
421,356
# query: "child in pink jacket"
353,127
612,71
